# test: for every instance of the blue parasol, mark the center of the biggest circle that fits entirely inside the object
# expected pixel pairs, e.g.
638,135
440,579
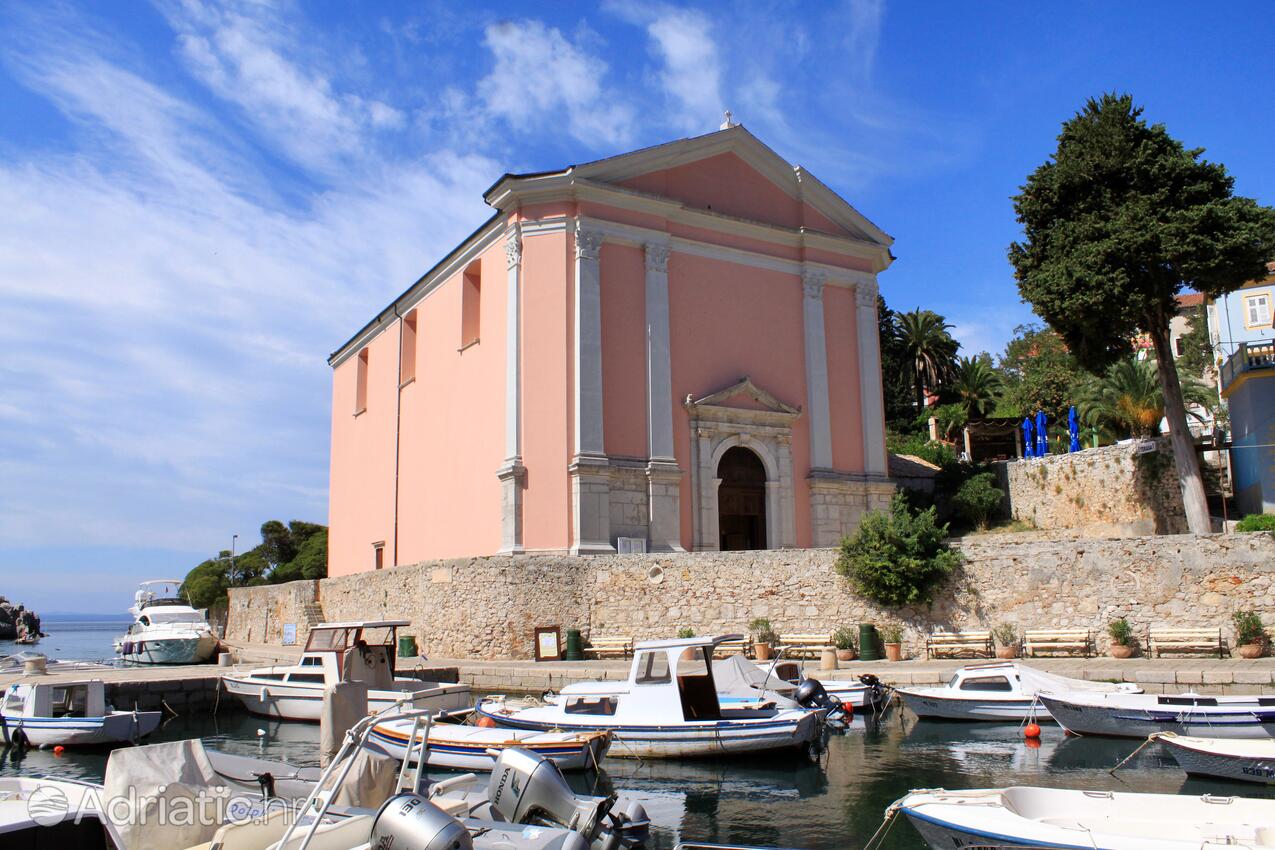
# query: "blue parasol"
1073,427
1028,448
1042,434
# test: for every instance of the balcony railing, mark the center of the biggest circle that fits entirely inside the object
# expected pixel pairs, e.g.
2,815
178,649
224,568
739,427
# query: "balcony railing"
1248,357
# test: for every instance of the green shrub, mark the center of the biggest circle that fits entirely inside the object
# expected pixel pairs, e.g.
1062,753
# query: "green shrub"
1248,628
897,557
1256,522
1121,632
762,631
843,638
892,633
685,632
1006,634
978,499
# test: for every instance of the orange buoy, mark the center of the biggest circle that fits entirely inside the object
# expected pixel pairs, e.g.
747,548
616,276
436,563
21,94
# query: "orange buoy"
1032,743
59,750
486,722
1031,730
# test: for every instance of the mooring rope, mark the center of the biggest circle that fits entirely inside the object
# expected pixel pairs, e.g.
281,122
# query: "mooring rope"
878,837
1152,738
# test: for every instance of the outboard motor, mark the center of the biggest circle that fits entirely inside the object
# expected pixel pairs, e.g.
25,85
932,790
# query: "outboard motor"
410,822
811,694
526,787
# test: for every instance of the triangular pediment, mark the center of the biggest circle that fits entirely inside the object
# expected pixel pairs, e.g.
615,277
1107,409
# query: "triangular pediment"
744,390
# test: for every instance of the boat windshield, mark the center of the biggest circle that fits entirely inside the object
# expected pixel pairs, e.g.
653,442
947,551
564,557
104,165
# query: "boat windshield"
327,640
174,616
379,637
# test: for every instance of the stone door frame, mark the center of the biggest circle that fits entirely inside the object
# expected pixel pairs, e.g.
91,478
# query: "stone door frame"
717,428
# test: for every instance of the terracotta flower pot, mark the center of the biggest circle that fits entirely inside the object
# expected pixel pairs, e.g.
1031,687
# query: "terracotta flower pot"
1119,651
1251,650
894,652
1008,652
762,651
845,655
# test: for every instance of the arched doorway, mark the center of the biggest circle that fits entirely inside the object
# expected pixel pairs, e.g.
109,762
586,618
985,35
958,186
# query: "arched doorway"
741,500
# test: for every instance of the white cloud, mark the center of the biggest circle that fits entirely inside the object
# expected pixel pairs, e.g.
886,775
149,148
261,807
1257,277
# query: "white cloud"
863,34
540,77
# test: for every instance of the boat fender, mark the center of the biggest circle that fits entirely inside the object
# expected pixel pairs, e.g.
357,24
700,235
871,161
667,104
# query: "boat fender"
410,822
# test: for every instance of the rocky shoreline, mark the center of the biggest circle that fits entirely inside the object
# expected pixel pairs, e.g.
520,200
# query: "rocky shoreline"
17,622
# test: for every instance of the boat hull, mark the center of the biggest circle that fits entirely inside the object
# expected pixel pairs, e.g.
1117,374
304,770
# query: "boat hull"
963,708
1201,762
452,749
192,650
945,836
116,728
300,702
692,739
1127,722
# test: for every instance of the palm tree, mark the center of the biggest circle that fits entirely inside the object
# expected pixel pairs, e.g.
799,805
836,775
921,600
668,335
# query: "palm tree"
976,384
929,349
1128,400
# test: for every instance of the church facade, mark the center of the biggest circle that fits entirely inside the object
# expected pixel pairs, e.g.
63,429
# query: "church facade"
671,349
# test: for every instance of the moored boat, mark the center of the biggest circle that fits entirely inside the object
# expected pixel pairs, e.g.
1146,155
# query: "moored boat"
361,651
459,747
165,629
1004,690
668,708
40,812
1251,760
1140,715
70,713
1084,820
740,681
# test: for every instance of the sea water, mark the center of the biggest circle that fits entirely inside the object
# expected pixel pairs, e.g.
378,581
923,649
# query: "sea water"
836,804
78,640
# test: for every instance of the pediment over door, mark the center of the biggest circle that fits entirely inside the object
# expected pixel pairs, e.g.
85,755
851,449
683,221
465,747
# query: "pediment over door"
743,402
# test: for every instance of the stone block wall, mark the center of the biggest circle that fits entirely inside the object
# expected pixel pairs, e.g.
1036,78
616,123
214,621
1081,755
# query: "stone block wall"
488,608
1109,490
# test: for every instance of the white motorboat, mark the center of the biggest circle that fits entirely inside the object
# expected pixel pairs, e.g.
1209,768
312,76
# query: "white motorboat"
165,629
1250,760
1139,715
38,812
1084,820
668,708
70,713
360,651
460,747
1004,690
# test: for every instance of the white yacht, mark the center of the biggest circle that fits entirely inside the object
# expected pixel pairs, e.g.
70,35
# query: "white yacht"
166,629
360,651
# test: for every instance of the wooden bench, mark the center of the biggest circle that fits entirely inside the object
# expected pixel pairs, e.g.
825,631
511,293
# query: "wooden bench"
976,644
1172,639
603,645
727,648
793,646
1057,641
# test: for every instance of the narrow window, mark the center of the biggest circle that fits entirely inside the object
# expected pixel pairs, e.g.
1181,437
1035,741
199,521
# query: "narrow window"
1178,347
1259,310
470,304
378,555
407,351
360,388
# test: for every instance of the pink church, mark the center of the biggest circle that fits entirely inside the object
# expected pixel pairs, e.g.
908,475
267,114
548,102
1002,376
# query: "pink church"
671,349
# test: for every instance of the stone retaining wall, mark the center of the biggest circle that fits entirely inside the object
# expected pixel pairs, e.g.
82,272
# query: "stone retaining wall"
488,608
1109,490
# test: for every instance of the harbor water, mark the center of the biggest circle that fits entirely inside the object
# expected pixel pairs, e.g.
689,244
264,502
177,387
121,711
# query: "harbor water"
786,802
81,640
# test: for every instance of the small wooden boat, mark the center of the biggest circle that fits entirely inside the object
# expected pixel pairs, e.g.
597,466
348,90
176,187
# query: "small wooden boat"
668,708
341,652
458,747
1227,758
1084,820
1004,690
71,713
1140,715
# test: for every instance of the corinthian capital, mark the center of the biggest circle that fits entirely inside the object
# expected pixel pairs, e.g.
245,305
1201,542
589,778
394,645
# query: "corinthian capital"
812,283
588,242
865,294
657,257
513,247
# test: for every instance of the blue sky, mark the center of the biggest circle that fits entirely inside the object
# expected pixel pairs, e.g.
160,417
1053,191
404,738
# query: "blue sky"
201,201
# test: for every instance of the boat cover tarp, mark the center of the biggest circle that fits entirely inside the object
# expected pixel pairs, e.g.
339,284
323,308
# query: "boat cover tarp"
738,677
1035,681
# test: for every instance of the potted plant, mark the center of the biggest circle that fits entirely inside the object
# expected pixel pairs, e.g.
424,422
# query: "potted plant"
1121,638
1250,634
843,640
685,632
1006,635
690,653
763,637
892,637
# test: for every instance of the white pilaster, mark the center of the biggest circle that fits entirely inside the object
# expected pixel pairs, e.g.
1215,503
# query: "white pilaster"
812,283
589,470
512,473
870,399
664,489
